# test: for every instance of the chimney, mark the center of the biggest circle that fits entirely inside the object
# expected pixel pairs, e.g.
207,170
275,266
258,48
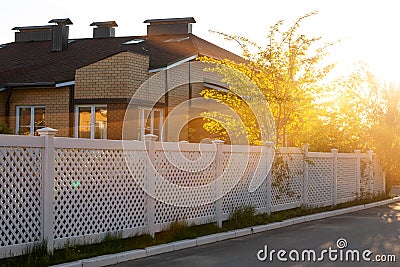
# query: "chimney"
60,34
104,29
169,26
33,33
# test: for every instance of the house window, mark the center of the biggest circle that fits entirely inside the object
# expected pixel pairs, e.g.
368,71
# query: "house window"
30,119
153,124
91,121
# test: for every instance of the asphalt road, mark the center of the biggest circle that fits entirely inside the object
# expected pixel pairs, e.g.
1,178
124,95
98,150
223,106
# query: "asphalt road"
376,229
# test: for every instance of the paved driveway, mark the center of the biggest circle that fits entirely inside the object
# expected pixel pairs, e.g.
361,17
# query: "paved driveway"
376,229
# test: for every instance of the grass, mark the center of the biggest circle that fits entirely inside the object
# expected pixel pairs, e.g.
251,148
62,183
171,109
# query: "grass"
37,256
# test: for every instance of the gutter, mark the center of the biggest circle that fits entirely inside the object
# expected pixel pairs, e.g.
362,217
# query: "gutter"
37,84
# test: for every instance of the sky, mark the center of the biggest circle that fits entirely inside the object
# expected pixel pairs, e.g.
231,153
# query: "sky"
369,30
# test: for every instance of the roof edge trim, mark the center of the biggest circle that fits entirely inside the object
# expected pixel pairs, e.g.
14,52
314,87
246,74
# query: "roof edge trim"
65,84
216,87
169,66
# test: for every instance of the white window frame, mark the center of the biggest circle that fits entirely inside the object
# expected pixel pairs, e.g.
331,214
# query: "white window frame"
92,118
151,117
32,122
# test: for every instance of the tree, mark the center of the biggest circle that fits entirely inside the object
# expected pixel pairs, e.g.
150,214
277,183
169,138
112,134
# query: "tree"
287,71
366,115
385,130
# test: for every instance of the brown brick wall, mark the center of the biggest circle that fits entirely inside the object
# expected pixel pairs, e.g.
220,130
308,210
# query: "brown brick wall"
55,100
196,89
3,99
175,97
117,76
115,117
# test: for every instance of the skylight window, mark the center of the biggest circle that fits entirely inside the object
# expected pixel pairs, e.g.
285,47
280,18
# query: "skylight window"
176,40
134,41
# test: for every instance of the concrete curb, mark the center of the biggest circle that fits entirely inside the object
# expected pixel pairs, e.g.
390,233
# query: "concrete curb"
106,260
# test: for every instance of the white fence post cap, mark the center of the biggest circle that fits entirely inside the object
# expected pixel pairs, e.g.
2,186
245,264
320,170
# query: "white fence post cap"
218,142
150,137
47,131
268,143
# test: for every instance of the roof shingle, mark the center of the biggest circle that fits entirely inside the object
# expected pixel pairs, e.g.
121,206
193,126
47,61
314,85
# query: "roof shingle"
33,62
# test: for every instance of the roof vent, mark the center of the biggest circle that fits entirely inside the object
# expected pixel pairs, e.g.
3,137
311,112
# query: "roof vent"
170,26
134,41
176,40
60,34
104,29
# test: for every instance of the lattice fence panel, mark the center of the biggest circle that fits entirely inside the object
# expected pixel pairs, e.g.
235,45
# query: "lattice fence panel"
190,202
347,178
288,189
378,176
320,180
239,195
21,197
96,193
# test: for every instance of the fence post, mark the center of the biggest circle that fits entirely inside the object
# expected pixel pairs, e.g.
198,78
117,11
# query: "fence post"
48,186
358,171
370,171
270,148
150,140
305,175
218,181
335,175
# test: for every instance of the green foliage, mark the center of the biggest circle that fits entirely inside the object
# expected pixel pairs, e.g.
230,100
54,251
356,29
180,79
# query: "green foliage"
242,217
354,112
4,129
366,115
35,255
287,71
176,230
281,176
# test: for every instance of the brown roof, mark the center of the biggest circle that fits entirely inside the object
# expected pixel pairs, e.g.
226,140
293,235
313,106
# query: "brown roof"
33,62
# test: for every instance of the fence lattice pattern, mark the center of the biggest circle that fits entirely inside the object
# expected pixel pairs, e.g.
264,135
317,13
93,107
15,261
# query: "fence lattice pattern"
21,198
239,195
287,186
99,187
320,181
187,188
347,178
96,193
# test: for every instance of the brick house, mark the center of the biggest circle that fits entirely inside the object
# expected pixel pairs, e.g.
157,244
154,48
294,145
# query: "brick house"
82,87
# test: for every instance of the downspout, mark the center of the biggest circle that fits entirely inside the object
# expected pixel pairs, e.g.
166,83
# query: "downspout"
71,111
190,83
190,98
8,104
165,130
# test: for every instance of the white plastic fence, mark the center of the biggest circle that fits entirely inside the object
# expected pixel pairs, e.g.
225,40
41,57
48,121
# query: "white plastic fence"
70,191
